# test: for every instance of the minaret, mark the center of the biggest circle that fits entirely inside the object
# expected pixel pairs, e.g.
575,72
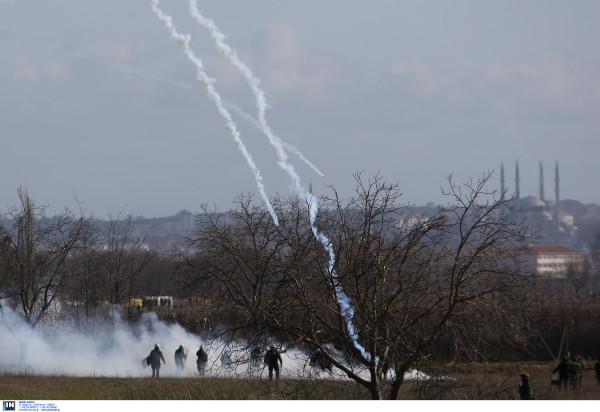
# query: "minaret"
502,187
518,193
542,183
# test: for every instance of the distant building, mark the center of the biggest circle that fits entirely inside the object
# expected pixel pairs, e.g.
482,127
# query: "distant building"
551,224
552,261
409,221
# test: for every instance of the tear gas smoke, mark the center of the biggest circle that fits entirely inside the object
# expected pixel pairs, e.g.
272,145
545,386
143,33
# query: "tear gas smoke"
105,346
234,107
281,155
110,347
345,302
253,83
184,41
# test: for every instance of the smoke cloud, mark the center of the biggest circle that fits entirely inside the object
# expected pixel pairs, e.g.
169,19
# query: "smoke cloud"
107,346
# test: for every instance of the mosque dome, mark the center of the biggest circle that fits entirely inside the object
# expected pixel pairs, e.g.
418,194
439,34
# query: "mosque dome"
532,204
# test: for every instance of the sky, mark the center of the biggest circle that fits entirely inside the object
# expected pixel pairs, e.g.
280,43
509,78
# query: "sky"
98,103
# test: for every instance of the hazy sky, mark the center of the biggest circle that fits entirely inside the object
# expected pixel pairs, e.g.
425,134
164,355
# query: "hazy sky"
97,100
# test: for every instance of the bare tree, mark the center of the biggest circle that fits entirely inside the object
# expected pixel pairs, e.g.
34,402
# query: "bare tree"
237,266
124,257
37,255
595,263
371,284
86,284
566,311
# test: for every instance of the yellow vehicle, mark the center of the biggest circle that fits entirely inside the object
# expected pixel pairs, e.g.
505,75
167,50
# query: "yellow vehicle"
135,303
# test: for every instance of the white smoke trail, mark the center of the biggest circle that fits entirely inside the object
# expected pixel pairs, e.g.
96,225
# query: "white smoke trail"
253,82
234,107
345,302
184,41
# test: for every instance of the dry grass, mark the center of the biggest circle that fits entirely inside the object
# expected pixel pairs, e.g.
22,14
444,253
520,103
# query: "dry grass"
481,381
72,388
498,381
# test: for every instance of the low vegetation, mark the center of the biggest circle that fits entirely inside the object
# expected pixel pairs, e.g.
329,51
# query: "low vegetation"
469,381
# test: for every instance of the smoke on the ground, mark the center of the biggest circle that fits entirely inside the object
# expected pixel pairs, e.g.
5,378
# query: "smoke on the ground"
111,347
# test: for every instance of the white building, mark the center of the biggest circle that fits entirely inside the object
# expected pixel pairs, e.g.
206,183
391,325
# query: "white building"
551,260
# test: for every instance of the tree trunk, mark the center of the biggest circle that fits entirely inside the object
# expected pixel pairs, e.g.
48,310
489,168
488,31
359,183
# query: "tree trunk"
396,384
375,390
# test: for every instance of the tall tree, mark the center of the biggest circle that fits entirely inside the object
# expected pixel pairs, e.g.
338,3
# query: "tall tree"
370,279
36,255
124,256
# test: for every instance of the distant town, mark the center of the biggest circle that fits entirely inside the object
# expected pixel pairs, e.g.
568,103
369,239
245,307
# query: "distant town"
568,223
574,225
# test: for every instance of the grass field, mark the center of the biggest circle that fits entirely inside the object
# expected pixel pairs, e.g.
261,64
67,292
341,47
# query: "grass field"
489,381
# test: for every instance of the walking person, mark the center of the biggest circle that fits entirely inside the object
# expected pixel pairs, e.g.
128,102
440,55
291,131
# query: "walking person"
526,392
227,364
320,361
575,371
156,357
563,372
180,358
202,360
255,356
273,360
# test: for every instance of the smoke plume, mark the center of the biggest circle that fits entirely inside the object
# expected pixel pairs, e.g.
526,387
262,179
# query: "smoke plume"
253,83
281,155
234,107
184,41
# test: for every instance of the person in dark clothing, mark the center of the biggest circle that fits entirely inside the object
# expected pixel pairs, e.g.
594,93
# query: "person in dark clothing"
180,358
597,370
273,359
575,371
255,355
526,392
227,364
202,360
319,360
563,372
155,357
